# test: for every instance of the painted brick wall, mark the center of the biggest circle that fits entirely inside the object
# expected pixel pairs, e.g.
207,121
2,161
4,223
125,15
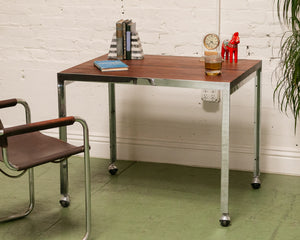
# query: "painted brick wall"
39,38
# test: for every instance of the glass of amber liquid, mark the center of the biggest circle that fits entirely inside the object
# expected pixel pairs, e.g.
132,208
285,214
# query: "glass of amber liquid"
213,65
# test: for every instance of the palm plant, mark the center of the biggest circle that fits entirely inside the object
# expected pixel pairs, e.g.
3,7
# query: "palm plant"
287,91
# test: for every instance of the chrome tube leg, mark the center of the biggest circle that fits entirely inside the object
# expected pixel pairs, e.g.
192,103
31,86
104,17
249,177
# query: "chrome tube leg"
256,173
225,219
112,129
64,181
87,192
87,174
31,190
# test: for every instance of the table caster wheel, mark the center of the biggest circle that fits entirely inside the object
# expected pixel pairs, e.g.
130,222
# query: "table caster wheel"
112,168
225,220
255,183
65,201
225,223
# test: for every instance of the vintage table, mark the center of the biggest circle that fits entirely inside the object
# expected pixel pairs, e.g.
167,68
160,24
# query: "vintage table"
170,71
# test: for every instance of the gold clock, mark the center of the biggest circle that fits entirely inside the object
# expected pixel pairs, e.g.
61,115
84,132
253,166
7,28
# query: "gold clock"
211,41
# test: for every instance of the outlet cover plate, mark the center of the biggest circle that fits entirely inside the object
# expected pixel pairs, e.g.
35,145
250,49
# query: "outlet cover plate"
210,95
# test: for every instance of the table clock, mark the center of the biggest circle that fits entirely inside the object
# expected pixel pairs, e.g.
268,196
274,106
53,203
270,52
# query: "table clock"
211,41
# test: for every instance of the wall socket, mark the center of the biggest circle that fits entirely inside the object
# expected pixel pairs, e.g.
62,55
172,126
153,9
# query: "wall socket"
210,95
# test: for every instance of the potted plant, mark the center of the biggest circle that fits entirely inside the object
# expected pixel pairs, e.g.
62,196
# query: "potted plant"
287,91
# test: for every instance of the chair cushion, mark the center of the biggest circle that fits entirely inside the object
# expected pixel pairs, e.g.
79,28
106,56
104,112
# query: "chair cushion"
33,149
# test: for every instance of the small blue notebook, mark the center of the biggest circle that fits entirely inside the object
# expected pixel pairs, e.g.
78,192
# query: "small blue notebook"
111,65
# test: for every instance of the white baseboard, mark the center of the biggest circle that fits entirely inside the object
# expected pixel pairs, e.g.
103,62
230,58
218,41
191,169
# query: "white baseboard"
272,159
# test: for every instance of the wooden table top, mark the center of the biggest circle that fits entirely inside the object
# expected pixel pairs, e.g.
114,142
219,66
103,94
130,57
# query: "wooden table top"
162,67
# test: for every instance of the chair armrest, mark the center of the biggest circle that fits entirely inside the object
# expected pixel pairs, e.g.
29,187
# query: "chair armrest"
13,102
33,127
8,103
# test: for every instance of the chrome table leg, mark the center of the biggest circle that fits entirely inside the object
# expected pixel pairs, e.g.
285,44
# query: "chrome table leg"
64,181
225,219
112,129
256,173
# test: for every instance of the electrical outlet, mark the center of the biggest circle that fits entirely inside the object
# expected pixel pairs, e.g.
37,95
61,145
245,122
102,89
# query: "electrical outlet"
210,95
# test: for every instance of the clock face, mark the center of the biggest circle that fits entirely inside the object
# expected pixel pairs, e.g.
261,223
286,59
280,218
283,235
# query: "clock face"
211,41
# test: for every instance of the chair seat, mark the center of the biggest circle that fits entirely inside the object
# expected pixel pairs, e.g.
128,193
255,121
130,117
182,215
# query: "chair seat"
33,149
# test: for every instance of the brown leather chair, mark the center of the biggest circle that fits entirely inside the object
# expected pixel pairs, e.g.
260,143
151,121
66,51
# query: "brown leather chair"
23,147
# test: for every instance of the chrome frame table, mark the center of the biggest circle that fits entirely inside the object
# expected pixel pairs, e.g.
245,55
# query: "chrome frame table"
170,71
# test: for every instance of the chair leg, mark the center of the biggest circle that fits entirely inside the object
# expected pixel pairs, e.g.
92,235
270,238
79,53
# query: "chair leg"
31,200
87,193
87,175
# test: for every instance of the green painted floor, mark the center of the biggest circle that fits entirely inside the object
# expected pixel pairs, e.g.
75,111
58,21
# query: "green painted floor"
153,201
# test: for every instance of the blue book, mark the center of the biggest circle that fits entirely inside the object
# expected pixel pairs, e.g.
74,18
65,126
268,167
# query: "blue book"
111,65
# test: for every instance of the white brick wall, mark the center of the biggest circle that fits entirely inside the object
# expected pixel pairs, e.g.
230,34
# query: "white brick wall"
39,38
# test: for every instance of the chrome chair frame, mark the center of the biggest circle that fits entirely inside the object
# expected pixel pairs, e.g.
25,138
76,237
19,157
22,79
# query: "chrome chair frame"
10,166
